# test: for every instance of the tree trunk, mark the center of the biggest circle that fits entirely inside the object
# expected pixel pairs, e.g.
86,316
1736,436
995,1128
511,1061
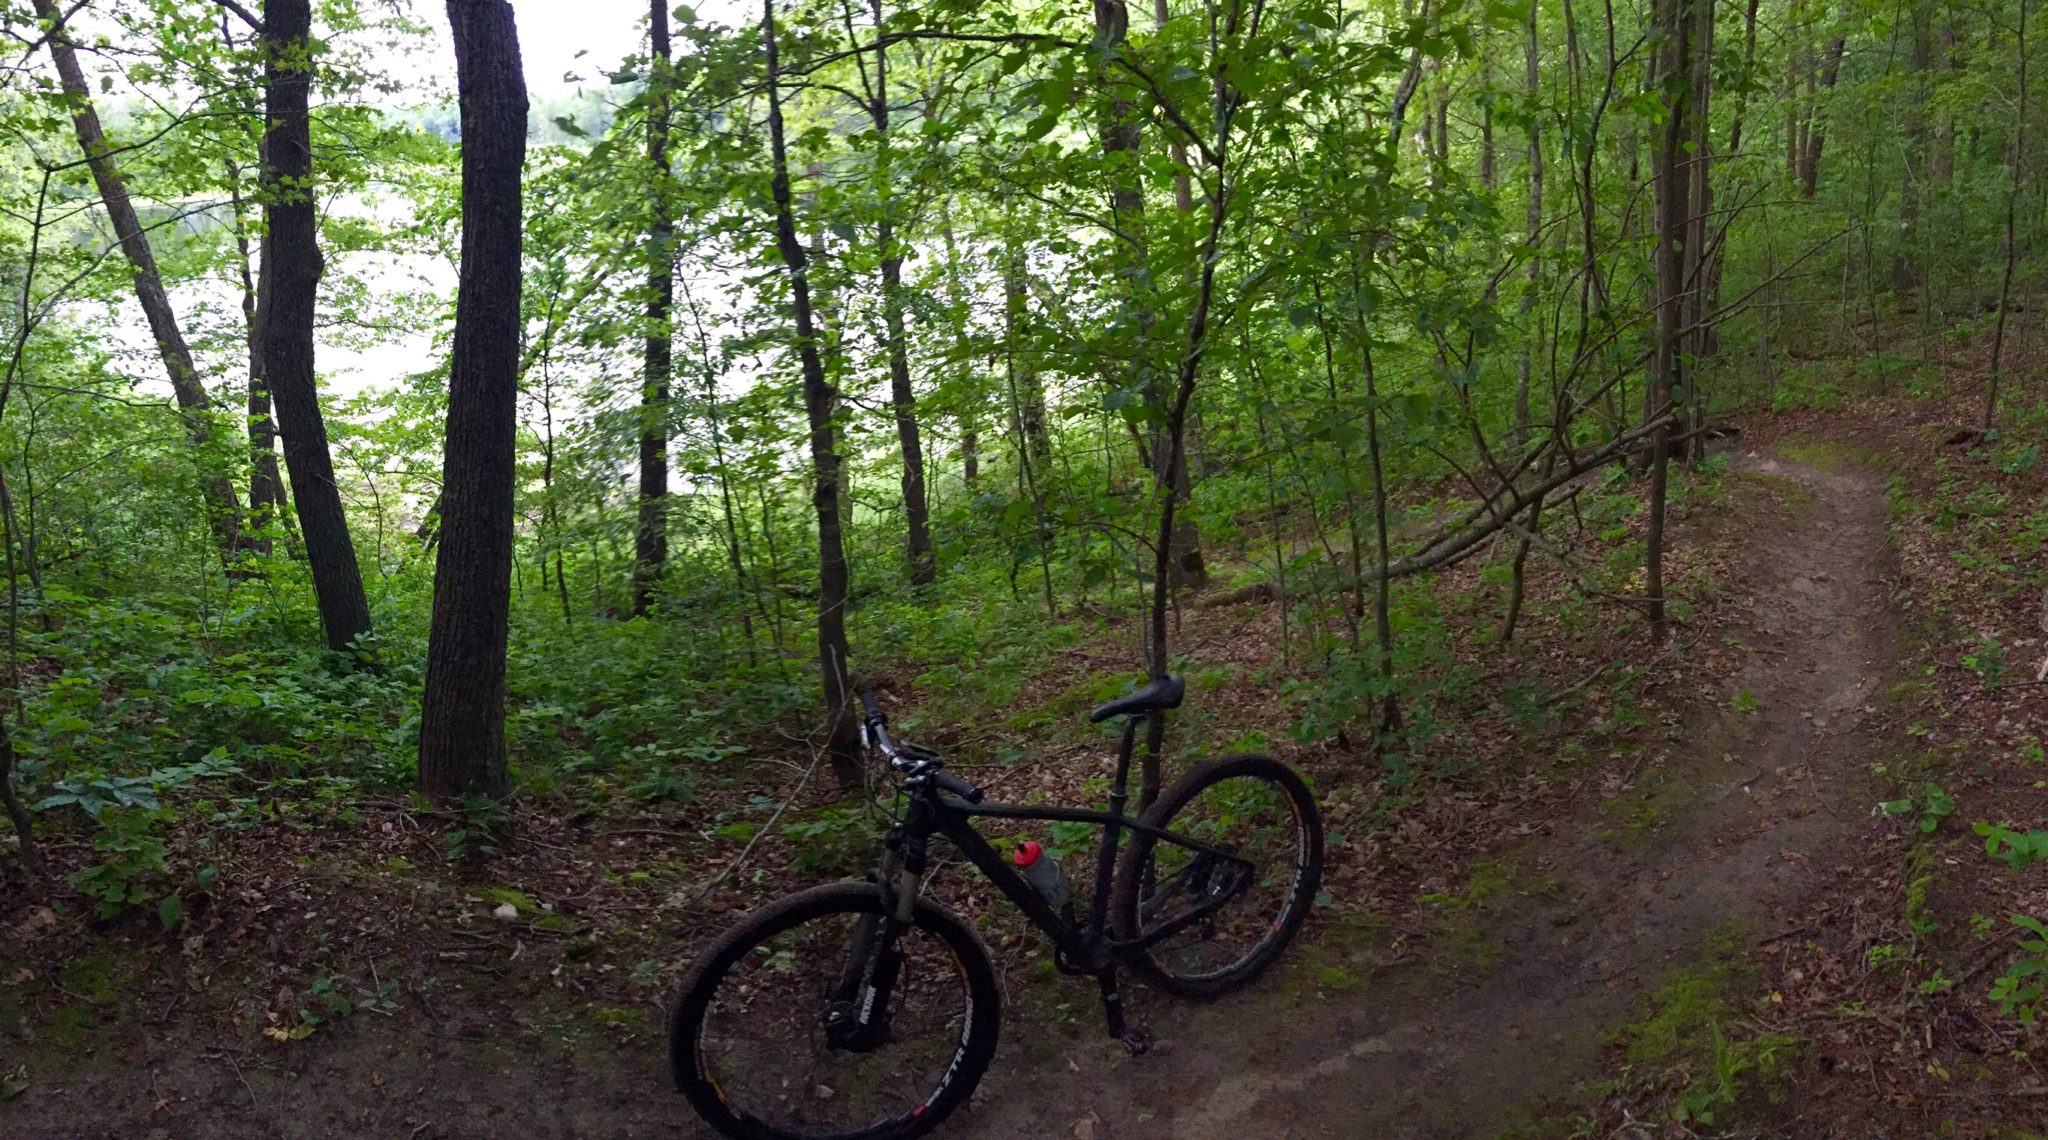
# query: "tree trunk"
17,812
291,278
1382,605
650,541
902,399
1906,259
969,418
223,508
266,484
1532,233
1675,64
1489,175
1711,287
1698,340
1120,147
1816,132
841,732
1942,163
1027,402
462,712
2015,177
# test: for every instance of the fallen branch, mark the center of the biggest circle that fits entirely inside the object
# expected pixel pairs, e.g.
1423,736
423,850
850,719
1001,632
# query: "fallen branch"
676,899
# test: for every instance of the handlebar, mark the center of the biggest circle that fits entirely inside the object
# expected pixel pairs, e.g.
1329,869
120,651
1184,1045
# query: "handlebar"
912,762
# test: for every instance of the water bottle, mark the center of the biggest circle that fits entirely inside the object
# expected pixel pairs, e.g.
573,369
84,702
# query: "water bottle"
1041,871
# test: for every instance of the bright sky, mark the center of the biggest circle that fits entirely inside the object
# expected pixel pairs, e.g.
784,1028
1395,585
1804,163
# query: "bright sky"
552,32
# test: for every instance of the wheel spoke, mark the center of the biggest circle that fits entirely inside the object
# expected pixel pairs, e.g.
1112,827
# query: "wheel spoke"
761,1042
1214,916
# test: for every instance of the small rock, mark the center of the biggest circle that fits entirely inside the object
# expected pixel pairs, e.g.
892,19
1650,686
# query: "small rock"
506,912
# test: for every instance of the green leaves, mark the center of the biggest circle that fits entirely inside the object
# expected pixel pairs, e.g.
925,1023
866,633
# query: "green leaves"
2016,849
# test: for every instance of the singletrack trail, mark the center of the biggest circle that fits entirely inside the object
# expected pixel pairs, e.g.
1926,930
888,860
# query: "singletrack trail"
1488,1024
1752,800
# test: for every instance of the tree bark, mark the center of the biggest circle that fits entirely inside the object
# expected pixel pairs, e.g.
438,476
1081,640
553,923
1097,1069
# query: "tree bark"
1027,401
650,541
462,712
1815,132
1906,259
902,399
1711,286
1532,234
1942,162
223,508
266,483
2016,174
1119,135
1697,339
17,812
1675,65
292,281
842,743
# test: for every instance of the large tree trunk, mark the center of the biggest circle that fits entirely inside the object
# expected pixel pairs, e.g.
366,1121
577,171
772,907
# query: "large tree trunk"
842,741
462,712
223,508
650,542
291,278
916,513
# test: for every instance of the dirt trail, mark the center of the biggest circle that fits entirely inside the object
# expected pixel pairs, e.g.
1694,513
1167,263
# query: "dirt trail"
1502,1011
1749,802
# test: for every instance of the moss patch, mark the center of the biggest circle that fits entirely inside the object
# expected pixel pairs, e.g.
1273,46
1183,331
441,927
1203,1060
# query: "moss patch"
1797,501
533,912
1683,1043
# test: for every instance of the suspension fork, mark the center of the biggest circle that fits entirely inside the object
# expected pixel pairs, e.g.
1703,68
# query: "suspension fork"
857,1010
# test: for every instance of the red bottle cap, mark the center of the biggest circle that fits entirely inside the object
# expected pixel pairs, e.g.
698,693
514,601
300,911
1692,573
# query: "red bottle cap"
1027,853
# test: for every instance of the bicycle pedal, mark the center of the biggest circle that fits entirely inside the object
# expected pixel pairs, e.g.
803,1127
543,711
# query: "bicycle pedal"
1136,1041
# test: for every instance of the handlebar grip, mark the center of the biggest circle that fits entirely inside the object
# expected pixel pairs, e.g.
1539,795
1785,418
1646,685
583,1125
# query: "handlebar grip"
956,786
870,705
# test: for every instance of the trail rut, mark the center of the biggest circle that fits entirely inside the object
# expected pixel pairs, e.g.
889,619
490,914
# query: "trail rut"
1751,799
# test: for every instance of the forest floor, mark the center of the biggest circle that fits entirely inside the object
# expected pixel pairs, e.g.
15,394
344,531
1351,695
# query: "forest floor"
1611,924
1713,845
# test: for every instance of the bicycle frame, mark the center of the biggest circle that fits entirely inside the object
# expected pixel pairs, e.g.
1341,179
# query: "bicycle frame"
1085,944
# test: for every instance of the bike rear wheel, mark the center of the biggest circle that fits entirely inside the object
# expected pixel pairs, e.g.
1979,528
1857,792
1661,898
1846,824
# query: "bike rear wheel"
1229,920
748,1037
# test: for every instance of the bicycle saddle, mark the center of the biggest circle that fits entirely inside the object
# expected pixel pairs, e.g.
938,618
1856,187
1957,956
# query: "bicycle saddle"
1164,693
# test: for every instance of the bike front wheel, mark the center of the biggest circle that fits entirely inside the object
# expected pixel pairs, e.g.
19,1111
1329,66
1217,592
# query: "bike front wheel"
758,1040
1220,913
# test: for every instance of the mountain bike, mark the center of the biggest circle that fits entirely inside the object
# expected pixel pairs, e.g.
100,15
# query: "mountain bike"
867,1010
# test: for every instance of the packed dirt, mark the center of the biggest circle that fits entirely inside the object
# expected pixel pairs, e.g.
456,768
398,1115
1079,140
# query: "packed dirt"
1494,1023
1517,1009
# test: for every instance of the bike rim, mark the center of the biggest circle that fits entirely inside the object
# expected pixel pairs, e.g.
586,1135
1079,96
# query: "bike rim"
762,1043
1256,819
